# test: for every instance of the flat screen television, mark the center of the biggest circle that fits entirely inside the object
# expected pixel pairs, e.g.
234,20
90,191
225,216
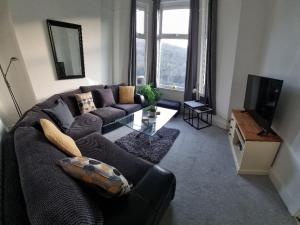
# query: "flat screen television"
262,95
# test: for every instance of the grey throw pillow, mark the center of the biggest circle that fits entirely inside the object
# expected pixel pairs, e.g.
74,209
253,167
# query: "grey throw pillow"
61,114
107,97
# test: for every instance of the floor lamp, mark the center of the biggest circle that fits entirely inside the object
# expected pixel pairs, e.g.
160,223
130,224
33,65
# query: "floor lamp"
4,74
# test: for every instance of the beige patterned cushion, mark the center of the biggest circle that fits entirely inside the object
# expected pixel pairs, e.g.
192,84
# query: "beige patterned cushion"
59,139
85,102
110,181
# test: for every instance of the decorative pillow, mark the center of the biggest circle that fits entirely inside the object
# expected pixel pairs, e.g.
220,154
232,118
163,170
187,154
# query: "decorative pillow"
59,139
106,96
61,114
126,94
85,102
102,175
95,93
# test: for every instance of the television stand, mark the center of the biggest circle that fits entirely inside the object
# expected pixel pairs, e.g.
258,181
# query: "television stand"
253,151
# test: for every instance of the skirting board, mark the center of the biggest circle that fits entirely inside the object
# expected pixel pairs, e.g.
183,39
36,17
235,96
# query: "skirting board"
283,194
220,122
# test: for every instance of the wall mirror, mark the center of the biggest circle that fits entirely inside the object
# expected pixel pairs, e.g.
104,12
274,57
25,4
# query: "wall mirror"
66,43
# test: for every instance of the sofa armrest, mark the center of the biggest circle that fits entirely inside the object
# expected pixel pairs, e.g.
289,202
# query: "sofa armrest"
139,99
156,186
147,202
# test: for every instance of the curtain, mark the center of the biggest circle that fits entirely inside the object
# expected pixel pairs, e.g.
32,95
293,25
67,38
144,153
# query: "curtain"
132,45
192,51
152,62
210,85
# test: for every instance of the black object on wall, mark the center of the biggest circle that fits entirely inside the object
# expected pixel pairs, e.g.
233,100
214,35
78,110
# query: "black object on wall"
261,99
67,49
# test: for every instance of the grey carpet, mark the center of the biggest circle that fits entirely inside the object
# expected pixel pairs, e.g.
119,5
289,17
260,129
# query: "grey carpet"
138,144
209,191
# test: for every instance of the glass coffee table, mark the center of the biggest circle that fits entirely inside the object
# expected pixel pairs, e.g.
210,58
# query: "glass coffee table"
141,122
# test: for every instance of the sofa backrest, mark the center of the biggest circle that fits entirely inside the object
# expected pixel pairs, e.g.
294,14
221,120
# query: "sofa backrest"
115,90
70,100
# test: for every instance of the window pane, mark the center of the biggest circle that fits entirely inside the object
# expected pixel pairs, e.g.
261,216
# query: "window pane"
172,65
175,21
140,59
140,21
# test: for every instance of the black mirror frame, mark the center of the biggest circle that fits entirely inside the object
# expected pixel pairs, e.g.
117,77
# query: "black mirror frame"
66,25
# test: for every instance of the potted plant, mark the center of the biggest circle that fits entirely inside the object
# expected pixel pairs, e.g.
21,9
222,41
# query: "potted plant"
152,95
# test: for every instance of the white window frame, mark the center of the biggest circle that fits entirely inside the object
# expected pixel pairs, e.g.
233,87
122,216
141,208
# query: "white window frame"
144,7
168,6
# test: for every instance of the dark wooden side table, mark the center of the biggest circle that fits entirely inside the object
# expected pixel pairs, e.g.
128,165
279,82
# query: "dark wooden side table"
199,111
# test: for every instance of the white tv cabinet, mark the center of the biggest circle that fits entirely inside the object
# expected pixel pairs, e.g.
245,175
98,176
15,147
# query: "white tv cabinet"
252,153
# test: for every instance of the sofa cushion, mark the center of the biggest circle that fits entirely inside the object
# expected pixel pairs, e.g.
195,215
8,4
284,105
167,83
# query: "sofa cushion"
84,125
85,102
109,114
91,88
61,115
105,178
32,118
51,196
115,90
126,94
59,139
98,147
129,108
95,93
106,96
70,100
49,102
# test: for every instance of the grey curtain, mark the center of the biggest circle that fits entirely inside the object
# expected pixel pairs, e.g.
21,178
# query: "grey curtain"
132,45
192,52
210,85
152,63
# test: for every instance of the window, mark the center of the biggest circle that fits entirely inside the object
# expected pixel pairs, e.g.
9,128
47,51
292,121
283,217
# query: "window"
141,44
172,45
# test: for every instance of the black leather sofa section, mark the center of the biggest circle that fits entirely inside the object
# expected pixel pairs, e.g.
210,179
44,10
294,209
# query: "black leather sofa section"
153,190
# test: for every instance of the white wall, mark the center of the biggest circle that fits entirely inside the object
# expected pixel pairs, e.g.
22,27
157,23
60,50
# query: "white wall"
17,75
227,36
95,17
121,25
252,30
281,59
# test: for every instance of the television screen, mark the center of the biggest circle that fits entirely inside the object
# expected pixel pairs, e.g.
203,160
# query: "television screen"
262,95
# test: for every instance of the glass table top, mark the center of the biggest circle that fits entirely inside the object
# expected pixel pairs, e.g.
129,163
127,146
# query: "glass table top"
141,122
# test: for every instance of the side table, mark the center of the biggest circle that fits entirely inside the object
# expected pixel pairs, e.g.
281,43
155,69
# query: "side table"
199,111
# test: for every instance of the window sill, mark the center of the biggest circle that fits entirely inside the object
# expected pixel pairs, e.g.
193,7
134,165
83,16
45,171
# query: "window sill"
170,89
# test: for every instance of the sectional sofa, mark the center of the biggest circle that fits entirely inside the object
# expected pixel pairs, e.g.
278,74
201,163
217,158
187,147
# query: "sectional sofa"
36,191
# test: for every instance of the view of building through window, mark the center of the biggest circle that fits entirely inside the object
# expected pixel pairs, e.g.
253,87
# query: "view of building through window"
173,28
172,42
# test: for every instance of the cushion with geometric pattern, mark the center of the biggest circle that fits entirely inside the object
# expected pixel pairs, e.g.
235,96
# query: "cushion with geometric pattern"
85,102
106,178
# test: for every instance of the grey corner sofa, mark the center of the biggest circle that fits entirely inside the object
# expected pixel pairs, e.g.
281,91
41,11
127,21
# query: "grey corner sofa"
34,190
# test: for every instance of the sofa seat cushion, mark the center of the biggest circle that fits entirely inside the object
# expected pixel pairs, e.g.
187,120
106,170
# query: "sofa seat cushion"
109,114
98,147
129,108
51,196
83,125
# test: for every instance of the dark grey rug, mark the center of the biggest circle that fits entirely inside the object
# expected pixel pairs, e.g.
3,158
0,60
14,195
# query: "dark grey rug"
138,144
